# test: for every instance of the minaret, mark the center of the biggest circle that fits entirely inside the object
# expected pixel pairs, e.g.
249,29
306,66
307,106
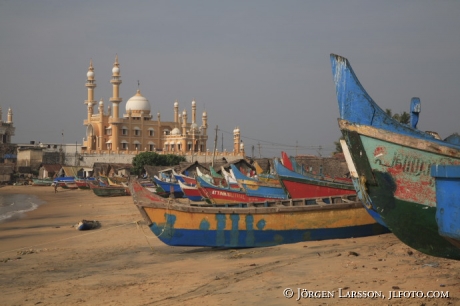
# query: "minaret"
116,100
176,112
193,111
10,116
204,127
184,122
90,84
236,140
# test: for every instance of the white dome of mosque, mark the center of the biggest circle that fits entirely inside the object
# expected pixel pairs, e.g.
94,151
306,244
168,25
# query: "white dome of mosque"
175,131
193,127
176,103
90,74
138,103
115,70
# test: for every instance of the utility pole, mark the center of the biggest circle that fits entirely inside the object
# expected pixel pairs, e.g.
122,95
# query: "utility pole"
222,142
215,147
258,144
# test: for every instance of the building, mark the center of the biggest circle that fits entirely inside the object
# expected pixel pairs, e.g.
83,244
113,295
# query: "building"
6,127
108,132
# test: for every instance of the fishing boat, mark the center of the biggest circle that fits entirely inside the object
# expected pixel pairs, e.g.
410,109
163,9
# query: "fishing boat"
110,191
191,192
298,185
258,224
223,194
170,186
183,178
447,178
392,163
42,182
82,183
253,187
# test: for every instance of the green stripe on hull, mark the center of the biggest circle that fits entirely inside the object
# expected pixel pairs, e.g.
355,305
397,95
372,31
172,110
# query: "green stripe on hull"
415,225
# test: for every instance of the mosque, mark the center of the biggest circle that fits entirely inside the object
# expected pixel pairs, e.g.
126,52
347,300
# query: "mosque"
136,130
6,127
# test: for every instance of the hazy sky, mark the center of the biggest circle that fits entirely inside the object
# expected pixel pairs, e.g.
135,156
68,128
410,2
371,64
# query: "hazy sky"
261,65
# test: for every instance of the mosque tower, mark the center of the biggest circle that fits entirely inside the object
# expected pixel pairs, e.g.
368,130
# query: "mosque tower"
10,116
90,84
236,140
176,112
116,100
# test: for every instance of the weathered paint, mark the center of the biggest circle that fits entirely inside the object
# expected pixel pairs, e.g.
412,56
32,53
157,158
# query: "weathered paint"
256,188
252,226
447,179
190,192
302,186
225,195
393,162
247,230
169,187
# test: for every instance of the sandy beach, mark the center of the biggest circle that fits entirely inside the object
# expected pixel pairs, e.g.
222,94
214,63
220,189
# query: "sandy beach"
45,261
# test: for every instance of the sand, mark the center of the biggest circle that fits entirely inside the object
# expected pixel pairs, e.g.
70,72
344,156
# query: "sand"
44,260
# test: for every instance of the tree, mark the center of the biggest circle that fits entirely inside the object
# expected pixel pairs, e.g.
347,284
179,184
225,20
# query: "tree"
154,159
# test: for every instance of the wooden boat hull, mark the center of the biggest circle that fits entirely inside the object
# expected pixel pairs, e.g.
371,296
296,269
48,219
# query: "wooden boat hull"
269,224
392,163
110,191
169,187
191,192
448,202
301,186
256,188
223,195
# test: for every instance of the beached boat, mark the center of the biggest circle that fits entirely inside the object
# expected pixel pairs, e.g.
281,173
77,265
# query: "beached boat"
253,224
447,179
82,183
191,192
224,195
183,178
169,186
110,191
42,182
298,185
392,163
253,187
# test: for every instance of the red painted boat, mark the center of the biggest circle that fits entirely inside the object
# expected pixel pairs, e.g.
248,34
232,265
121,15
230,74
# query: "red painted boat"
225,195
299,185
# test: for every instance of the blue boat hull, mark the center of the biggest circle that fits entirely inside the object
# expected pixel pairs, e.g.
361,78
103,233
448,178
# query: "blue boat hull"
448,201
257,238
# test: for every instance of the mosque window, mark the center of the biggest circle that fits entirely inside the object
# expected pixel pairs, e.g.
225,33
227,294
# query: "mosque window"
124,145
108,131
137,131
124,131
151,132
151,147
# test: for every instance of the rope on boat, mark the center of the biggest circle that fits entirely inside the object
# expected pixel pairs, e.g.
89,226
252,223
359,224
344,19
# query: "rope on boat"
146,237
78,236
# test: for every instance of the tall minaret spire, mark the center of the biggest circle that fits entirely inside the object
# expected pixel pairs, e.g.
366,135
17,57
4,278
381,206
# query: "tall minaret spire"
116,100
90,84
10,116
193,111
176,112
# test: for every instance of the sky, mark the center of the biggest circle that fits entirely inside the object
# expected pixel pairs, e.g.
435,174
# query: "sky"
261,65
